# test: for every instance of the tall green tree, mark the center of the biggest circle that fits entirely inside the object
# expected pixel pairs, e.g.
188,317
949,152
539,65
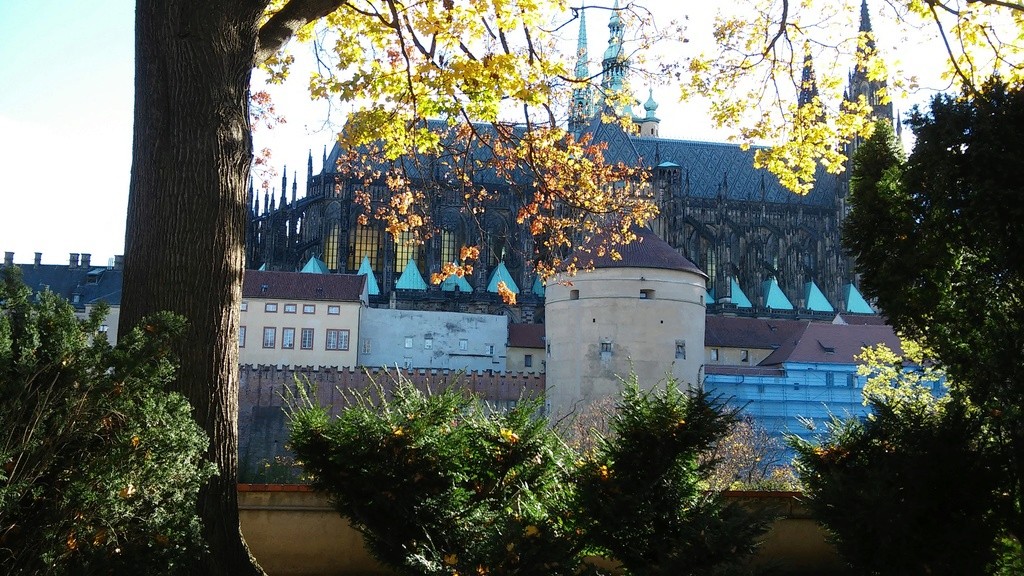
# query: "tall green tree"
939,243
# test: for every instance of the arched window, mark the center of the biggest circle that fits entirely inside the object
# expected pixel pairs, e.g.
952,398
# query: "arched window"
364,241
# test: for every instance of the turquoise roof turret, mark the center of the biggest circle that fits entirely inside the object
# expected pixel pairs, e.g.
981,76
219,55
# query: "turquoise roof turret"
371,282
815,299
411,279
456,283
315,266
774,297
738,297
538,286
501,274
651,106
855,302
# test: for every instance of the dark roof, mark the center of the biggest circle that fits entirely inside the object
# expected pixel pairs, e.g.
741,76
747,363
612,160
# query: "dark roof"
299,286
739,332
526,335
647,251
722,370
826,343
91,284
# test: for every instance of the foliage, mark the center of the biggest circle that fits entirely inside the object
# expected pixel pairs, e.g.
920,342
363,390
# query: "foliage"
754,72
438,485
749,458
641,494
939,244
101,466
912,488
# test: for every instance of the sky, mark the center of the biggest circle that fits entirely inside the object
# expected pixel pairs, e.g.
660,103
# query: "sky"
66,97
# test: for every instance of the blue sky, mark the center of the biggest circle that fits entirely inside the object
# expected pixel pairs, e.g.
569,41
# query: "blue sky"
66,123
65,126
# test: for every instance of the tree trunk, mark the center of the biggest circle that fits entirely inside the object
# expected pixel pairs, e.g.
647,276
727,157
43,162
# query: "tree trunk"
184,248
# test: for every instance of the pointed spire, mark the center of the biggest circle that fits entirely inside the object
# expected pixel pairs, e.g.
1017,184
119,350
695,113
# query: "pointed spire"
266,201
250,197
295,186
614,65
284,187
582,98
808,84
324,168
272,205
865,17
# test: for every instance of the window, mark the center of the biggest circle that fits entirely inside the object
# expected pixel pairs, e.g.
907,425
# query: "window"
241,336
647,294
270,307
528,360
104,328
744,356
367,348
851,380
334,310
337,339
681,349
490,349
574,294
428,343
606,347
288,338
269,337
289,308
830,379
245,306
307,339
714,354
408,342
463,344
309,308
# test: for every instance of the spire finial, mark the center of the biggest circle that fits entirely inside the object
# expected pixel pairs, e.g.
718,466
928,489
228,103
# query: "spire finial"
614,65
808,84
865,18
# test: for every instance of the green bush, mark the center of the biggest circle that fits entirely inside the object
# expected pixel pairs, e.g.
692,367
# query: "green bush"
912,488
641,493
438,485
100,466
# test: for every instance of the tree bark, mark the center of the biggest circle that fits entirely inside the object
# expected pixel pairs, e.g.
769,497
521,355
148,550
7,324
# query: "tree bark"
184,246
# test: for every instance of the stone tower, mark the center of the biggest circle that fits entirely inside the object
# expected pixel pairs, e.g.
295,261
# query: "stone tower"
643,313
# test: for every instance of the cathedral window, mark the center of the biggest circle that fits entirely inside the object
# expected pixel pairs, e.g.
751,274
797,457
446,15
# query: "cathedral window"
407,246
364,241
331,246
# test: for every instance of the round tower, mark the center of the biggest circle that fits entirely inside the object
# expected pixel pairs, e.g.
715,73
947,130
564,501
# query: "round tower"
643,313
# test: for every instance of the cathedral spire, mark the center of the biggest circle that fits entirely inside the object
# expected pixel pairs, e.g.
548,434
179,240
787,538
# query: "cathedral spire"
309,168
614,65
808,84
860,85
284,187
582,107
295,187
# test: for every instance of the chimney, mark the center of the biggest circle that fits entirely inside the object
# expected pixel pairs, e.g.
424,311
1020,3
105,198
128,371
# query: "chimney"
8,258
39,259
86,260
73,260
119,262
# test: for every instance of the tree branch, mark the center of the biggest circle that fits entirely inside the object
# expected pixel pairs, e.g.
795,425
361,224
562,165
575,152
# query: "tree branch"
280,28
